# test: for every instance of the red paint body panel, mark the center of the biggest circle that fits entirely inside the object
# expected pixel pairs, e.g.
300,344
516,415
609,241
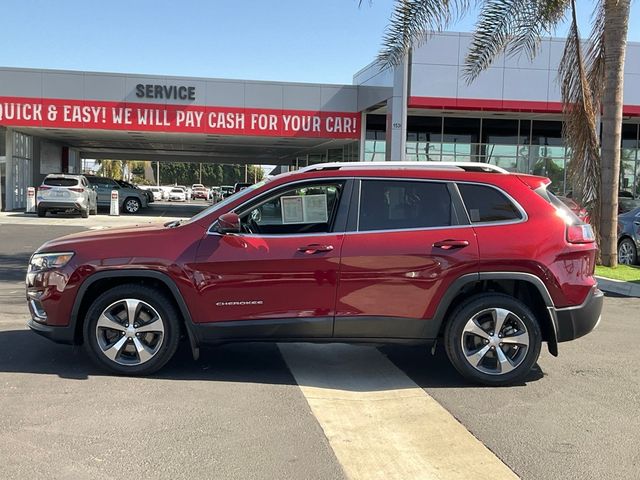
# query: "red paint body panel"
401,274
264,277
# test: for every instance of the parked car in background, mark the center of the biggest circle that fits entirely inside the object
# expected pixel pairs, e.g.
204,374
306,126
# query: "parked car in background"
626,203
156,191
177,194
240,186
395,252
125,184
227,190
131,199
629,237
580,212
187,191
63,192
199,191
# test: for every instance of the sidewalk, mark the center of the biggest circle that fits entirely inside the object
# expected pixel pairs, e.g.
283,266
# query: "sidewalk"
94,222
628,289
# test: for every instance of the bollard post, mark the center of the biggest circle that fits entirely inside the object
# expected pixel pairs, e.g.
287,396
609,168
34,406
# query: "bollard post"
31,200
115,203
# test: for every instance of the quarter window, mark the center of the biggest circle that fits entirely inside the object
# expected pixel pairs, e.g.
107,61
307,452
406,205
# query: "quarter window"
486,204
393,204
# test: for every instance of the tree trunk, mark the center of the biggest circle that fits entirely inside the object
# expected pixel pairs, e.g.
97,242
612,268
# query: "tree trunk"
616,21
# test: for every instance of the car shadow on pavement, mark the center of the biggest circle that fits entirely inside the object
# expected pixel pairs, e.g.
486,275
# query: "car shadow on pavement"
22,351
436,371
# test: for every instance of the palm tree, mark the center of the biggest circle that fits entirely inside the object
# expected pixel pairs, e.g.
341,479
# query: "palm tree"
591,79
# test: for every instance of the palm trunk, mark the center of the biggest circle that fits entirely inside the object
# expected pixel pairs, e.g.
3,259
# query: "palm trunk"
615,42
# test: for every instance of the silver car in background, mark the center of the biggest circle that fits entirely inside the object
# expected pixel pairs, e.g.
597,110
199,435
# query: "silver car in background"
64,193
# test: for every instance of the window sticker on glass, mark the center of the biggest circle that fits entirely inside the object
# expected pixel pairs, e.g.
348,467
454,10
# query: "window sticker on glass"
315,208
304,209
292,209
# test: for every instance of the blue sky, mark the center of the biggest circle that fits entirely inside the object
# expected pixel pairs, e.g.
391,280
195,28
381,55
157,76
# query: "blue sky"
290,40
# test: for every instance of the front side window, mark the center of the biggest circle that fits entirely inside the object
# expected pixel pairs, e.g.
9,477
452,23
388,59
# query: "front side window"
305,209
486,204
396,204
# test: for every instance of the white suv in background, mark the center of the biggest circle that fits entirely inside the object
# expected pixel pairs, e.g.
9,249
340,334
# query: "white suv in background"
61,192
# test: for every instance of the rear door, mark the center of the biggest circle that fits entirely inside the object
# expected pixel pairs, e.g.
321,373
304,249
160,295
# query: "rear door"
411,239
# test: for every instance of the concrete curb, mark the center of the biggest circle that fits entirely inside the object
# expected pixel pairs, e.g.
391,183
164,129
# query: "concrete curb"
618,286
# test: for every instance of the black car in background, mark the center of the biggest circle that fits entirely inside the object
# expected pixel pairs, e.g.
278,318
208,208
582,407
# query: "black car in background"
629,237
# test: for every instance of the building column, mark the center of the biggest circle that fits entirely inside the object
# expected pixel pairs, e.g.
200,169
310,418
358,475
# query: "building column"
10,184
363,136
396,136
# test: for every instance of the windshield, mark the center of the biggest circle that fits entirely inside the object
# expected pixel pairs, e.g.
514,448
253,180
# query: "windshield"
226,201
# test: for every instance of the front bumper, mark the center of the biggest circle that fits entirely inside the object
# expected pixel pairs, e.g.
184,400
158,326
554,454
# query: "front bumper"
57,334
575,322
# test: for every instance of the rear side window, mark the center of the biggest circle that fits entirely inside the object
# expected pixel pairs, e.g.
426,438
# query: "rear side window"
60,182
396,204
486,204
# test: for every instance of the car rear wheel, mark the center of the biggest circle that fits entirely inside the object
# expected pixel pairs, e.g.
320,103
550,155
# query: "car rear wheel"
42,212
132,205
627,253
493,339
131,330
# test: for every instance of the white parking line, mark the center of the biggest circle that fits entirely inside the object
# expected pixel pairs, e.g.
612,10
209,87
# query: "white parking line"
380,424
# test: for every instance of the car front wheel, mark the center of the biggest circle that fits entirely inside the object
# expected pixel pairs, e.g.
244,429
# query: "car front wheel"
131,330
493,339
132,205
627,253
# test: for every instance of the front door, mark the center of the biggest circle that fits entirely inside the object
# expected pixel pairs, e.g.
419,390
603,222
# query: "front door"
278,278
410,244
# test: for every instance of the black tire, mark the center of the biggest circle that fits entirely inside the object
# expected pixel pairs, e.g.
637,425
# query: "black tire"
627,252
488,370
131,205
42,212
84,213
165,347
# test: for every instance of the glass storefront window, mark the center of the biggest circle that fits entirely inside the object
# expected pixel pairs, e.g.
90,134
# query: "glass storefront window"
628,158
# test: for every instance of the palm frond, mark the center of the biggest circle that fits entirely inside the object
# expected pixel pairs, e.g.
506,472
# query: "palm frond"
595,52
411,23
579,126
511,26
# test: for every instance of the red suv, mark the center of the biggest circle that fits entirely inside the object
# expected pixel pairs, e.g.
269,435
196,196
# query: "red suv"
490,262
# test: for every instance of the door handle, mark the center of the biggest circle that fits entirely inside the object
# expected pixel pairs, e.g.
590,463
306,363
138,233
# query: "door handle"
315,248
451,244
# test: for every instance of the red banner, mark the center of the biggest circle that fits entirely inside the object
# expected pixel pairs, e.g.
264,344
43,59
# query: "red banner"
90,114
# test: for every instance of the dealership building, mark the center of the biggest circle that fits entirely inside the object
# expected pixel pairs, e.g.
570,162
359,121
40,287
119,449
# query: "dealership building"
421,110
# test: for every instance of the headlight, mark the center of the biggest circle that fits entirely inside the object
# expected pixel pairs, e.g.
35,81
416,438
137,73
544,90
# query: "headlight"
46,261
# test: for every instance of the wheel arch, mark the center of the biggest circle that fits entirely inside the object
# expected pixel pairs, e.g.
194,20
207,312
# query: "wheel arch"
96,284
523,286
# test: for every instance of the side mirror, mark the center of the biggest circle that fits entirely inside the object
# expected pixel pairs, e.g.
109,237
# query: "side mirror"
228,223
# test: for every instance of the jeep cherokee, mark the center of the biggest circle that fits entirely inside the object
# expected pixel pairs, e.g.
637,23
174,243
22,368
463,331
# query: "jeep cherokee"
488,261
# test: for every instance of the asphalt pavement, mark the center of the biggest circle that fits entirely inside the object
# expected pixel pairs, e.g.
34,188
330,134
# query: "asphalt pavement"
244,411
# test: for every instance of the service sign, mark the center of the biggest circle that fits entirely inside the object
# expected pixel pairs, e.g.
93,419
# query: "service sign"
90,114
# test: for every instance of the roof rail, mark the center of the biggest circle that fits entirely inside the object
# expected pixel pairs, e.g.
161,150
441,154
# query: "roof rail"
466,166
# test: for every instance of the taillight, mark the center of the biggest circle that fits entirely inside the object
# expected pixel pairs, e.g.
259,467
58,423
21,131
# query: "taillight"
79,190
580,234
43,187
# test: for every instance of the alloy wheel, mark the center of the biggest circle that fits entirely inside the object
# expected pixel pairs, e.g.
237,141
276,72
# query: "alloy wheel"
626,255
130,332
495,341
132,205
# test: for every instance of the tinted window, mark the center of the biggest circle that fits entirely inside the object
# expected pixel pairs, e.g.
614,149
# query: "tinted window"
61,182
306,209
395,204
486,204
